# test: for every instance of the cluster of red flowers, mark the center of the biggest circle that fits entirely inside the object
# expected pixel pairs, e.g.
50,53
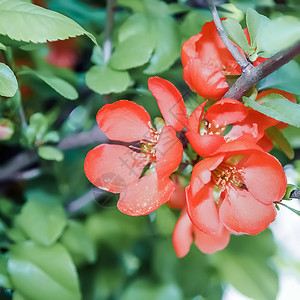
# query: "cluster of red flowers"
234,182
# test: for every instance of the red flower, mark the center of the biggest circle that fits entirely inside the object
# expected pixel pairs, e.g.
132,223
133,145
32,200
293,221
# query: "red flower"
236,188
206,61
136,144
204,130
185,233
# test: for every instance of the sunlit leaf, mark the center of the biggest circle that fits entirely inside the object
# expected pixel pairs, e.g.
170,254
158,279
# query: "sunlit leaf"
50,153
46,273
277,107
32,23
235,33
105,80
8,81
42,220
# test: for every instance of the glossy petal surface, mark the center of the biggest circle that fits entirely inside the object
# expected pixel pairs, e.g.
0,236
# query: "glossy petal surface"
113,167
211,243
264,178
169,152
242,213
124,121
170,102
182,235
145,195
202,209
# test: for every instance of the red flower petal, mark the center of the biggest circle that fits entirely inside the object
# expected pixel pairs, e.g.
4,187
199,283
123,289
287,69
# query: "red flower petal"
177,200
194,120
264,178
211,243
124,121
201,174
242,213
145,195
202,209
170,102
205,145
182,235
169,152
205,79
226,111
188,50
265,143
113,167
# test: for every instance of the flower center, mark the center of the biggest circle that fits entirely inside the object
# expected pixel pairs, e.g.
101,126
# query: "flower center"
227,175
207,128
147,147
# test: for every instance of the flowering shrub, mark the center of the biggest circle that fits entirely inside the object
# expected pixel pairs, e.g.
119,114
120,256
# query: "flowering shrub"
170,193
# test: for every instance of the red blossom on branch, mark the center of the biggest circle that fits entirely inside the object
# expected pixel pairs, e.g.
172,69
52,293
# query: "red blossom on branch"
136,144
236,187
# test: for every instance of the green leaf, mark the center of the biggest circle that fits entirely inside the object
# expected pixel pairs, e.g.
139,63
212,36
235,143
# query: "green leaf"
235,33
277,136
43,220
293,136
277,107
146,290
246,274
2,47
6,129
135,51
50,153
77,242
254,21
61,86
167,44
285,78
32,23
46,273
104,80
4,277
289,189
278,34
8,81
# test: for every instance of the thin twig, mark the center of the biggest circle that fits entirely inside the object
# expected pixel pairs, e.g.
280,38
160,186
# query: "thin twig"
23,160
244,64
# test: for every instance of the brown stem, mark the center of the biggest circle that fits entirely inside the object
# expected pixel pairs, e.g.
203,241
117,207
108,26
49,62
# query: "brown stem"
249,79
244,64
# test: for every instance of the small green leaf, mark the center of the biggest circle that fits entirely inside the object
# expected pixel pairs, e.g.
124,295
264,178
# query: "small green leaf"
277,107
61,86
254,22
50,153
285,78
135,51
2,47
278,34
8,81
289,189
277,136
4,277
6,129
46,273
32,23
167,49
235,33
78,243
104,80
43,220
